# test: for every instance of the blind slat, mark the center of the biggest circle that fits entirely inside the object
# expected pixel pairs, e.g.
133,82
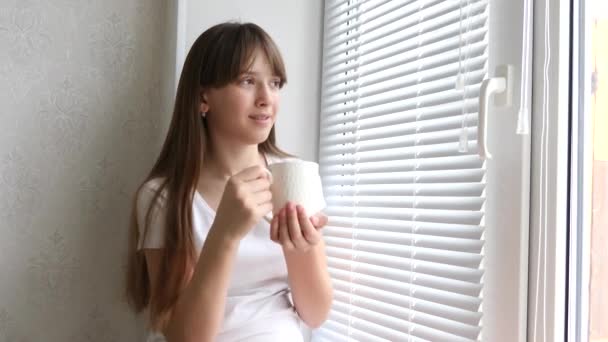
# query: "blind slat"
472,203
424,189
395,153
433,98
443,163
406,140
418,240
409,264
403,65
425,228
414,130
389,80
335,332
389,22
396,324
444,176
411,36
404,276
445,257
397,307
353,325
446,304
403,88
427,45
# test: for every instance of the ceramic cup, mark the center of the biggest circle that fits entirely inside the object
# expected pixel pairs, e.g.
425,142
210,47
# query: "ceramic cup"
296,181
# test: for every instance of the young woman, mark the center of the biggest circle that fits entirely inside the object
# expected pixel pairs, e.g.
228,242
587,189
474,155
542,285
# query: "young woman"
202,260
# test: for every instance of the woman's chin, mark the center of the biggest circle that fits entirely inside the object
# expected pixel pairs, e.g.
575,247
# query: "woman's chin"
256,139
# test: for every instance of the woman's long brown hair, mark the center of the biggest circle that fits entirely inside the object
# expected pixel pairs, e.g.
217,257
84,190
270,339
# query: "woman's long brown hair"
216,58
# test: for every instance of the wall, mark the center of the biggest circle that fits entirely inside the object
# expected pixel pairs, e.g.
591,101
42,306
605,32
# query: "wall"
81,123
296,27
86,93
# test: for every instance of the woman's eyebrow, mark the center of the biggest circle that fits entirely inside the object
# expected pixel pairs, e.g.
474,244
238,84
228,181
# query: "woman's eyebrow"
256,74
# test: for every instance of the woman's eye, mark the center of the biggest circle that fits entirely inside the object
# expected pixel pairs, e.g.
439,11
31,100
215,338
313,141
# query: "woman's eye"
247,81
276,83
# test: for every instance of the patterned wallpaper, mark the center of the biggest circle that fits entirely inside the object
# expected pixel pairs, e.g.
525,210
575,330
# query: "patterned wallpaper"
81,116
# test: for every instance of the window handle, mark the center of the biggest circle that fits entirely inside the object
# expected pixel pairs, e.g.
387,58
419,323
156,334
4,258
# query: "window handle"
501,86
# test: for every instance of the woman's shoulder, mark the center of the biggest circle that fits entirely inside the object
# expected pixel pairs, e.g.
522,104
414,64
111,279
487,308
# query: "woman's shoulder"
150,187
153,184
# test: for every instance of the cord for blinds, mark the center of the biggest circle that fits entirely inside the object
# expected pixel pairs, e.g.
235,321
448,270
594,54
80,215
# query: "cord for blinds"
542,234
459,77
354,234
523,116
546,147
415,178
350,273
461,84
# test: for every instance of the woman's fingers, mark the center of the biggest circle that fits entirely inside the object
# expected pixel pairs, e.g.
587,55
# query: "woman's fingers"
295,231
252,173
319,220
262,197
309,232
274,229
284,231
260,184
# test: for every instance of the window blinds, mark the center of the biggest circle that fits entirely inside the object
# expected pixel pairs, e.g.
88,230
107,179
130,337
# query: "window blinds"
402,179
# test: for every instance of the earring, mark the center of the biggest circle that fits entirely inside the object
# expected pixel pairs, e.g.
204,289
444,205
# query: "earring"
204,114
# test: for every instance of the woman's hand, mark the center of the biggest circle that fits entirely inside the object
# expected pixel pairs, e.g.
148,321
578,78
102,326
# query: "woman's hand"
319,220
246,199
294,230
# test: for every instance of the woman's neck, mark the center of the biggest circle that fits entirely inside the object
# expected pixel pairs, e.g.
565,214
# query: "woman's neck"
224,162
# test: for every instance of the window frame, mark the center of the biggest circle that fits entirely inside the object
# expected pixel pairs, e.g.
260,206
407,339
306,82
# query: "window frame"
549,313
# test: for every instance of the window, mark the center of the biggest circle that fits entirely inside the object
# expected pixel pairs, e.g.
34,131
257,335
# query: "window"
412,206
404,184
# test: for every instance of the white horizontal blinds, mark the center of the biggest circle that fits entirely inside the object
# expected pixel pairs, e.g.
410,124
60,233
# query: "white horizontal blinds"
402,179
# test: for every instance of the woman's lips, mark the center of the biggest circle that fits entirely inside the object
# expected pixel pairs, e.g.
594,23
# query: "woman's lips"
262,119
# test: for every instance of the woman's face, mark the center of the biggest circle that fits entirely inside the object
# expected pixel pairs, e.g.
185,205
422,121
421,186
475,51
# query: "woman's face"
244,110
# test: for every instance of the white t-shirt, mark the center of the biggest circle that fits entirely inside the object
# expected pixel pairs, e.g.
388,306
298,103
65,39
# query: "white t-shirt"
258,306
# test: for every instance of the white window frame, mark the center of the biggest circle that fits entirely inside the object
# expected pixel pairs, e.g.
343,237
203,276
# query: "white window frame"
550,313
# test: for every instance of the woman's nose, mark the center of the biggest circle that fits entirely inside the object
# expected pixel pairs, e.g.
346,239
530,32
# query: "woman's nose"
264,97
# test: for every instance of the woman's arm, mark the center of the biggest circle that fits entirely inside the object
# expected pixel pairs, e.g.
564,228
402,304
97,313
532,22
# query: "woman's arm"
199,310
306,261
310,284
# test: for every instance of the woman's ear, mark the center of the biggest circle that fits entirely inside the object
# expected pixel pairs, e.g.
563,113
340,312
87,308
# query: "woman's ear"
204,107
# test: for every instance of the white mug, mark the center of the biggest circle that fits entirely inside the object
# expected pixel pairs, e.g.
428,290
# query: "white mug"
296,181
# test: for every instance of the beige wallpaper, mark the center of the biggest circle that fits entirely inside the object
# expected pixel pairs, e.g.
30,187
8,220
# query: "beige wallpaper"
81,117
